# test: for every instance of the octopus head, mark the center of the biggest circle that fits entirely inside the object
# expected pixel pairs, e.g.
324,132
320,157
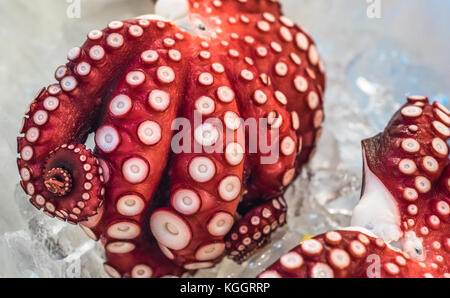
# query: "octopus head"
208,19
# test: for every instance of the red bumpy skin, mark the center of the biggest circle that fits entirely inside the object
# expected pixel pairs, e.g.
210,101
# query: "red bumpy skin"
159,210
405,200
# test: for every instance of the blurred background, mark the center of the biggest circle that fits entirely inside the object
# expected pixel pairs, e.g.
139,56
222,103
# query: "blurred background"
376,52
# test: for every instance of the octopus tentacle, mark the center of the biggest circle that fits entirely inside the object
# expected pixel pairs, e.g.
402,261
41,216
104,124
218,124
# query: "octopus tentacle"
134,137
51,161
344,254
266,168
63,164
206,186
255,228
138,259
405,201
409,159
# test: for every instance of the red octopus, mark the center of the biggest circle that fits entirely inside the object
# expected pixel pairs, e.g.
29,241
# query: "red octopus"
160,211
405,201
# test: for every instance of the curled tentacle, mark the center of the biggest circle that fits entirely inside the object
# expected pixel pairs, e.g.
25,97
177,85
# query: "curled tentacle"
74,184
254,229
61,176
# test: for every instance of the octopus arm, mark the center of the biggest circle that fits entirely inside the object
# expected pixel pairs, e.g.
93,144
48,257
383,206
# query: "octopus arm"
254,229
270,141
206,182
352,253
135,139
405,200
404,167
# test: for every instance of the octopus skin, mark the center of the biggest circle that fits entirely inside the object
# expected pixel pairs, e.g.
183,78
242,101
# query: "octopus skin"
255,228
159,209
403,218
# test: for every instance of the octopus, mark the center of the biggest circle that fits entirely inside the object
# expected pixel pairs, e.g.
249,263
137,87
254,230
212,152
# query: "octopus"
401,227
165,200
